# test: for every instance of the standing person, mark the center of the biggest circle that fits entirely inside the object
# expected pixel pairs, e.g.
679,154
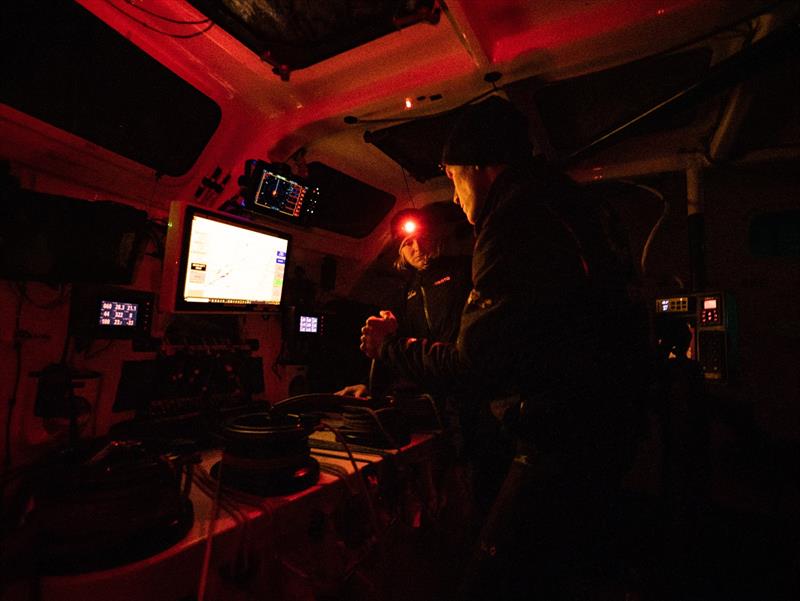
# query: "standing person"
553,339
437,275
431,256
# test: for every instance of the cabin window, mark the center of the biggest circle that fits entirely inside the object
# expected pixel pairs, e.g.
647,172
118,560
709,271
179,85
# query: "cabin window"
76,73
776,234
347,206
574,113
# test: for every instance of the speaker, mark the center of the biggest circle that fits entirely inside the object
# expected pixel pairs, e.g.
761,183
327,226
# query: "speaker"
292,380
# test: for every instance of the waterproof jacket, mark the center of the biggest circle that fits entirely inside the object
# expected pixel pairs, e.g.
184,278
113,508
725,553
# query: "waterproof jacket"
435,298
551,318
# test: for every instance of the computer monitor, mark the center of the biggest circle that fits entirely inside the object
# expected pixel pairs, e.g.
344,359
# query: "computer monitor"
274,192
215,262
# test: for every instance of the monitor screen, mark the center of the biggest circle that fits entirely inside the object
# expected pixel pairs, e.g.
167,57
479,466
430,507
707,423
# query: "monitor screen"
215,262
101,312
308,324
280,194
275,193
117,314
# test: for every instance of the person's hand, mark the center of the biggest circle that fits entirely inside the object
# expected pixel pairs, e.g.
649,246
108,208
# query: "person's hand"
375,332
357,390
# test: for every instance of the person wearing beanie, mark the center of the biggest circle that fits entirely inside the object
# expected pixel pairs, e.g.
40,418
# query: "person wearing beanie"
554,340
436,273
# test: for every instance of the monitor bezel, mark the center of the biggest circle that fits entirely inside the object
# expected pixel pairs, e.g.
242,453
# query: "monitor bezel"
176,258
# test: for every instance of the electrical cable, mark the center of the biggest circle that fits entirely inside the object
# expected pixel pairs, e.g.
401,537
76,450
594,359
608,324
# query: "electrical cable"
207,485
408,189
156,29
373,514
203,582
658,223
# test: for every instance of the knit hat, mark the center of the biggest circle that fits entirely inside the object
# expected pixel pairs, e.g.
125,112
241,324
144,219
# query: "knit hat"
492,132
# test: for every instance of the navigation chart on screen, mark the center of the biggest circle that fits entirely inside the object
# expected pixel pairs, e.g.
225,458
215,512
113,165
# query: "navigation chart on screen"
232,264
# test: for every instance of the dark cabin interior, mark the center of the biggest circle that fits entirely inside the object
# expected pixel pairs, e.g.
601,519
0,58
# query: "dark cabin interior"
129,468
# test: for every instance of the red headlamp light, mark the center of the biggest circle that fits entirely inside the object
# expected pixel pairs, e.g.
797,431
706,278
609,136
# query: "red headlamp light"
409,227
407,222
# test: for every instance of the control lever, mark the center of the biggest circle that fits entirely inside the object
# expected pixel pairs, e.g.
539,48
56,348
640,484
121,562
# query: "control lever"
371,380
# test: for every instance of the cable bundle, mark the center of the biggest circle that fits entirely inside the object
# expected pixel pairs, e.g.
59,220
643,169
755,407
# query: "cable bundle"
383,428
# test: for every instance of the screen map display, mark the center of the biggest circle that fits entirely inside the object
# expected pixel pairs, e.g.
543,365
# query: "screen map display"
232,265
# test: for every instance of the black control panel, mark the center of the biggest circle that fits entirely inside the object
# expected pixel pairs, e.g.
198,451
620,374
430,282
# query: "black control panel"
703,325
188,383
111,313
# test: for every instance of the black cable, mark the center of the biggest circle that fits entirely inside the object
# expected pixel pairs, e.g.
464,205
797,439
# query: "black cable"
360,476
654,230
373,366
408,189
161,31
162,17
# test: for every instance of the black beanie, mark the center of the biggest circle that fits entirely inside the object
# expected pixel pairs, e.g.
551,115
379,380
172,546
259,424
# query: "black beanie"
492,132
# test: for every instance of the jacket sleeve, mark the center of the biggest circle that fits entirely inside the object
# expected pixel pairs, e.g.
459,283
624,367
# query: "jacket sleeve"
434,365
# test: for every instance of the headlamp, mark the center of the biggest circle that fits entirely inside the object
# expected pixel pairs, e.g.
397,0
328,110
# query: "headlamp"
408,222
409,227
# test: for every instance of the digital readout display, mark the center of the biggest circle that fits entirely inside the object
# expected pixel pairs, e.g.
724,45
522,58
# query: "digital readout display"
309,324
118,313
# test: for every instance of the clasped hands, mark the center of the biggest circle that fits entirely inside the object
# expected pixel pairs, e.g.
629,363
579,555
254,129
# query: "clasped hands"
375,331
373,334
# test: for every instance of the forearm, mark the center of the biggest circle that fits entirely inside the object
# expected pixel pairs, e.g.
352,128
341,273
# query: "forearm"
435,365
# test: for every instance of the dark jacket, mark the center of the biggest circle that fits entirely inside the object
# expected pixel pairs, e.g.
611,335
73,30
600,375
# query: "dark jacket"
435,298
551,317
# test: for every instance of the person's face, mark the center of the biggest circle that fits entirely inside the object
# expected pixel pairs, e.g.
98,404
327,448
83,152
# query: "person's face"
416,251
469,189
